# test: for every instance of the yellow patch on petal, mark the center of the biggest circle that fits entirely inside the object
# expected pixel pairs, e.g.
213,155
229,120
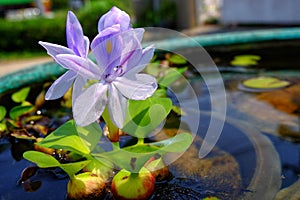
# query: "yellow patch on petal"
109,47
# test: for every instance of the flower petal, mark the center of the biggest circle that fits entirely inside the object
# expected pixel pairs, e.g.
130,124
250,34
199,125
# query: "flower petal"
61,85
107,46
112,17
89,106
87,46
54,49
138,61
78,86
116,49
131,45
139,88
117,106
75,37
82,66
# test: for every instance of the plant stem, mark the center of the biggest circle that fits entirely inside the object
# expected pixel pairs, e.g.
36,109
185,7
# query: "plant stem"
116,145
140,141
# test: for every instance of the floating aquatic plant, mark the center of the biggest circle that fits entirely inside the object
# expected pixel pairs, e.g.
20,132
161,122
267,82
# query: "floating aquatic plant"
112,97
264,82
245,60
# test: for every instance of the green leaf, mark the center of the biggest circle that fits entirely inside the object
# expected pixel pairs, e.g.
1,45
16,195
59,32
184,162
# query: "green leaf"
265,83
73,138
3,127
72,168
90,135
45,161
129,160
171,75
41,159
178,143
18,111
161,92
20,95
134,157
245,60
2,112
144,116
177,59
178,110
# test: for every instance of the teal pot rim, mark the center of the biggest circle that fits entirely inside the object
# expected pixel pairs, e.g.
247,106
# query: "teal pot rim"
42,72
229,38
35,74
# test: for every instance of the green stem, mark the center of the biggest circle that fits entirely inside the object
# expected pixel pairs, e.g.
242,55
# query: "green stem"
116,145
140,141
113,131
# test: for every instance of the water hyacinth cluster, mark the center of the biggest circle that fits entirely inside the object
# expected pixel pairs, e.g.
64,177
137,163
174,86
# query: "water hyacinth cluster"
107,81
120,57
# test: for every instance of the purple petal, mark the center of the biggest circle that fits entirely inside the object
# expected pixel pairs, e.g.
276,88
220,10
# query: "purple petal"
61,85
111,45
105,34
89,106
53,49
78,86
113,17
139,33
139,88
107,47
138,61
87,46
131,45
75,37
82,66
117,106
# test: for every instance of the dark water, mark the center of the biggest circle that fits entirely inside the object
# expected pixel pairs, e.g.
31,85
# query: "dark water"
278,59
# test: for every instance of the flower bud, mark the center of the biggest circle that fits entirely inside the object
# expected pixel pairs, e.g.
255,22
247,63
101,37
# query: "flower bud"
103,170
133,186
86,186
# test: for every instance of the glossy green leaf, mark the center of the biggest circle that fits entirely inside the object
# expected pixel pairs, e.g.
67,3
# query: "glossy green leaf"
245,60
45,161
73,138
41,159
178,143
161,92
170,76
18,111
144,116
20,95
2,112
3,126
177,59
134,157
178,110
265,83
72,168
13,123
90,135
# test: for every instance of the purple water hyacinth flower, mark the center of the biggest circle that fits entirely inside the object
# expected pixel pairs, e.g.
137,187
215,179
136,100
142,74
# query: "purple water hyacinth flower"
120,58
78,45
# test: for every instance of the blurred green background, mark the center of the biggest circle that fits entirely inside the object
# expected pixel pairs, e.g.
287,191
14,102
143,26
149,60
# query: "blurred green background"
22,33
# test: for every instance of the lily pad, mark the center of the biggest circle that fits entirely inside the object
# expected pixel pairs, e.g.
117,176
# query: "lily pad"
264,83
245,60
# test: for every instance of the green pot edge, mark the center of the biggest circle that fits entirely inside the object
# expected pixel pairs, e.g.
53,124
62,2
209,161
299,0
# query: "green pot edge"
35,74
